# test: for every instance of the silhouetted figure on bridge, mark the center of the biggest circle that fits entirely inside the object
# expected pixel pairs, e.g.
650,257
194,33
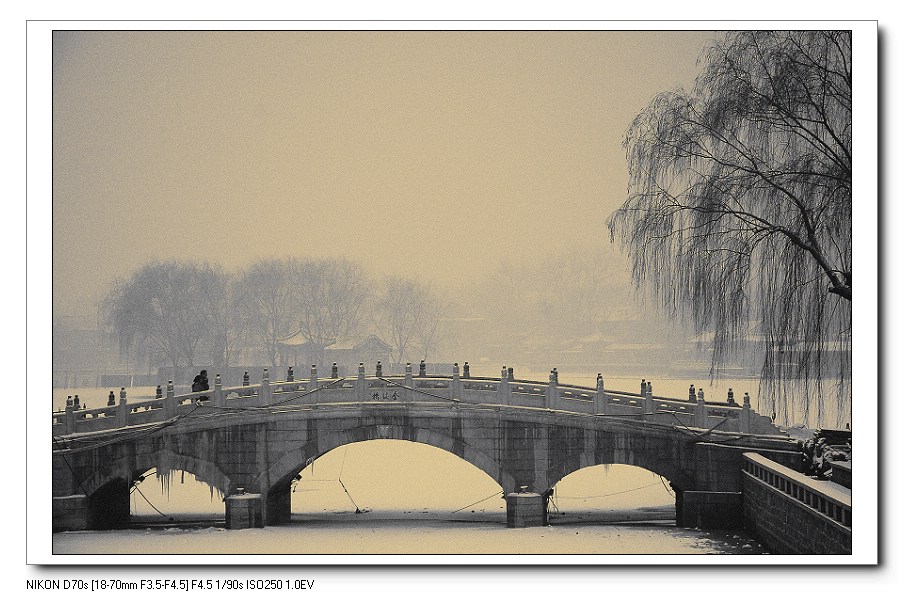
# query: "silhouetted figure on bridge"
692,395
731,400
467,371
199,384
75,403
246,380
334,371
379,370
111,398
422,371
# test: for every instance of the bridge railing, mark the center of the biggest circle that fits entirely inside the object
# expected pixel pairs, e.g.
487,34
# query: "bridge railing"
453,390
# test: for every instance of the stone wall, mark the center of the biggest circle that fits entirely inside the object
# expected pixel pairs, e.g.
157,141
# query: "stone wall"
790,513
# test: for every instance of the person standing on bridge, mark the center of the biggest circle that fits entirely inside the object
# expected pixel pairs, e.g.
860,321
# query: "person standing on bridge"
205,386
196,384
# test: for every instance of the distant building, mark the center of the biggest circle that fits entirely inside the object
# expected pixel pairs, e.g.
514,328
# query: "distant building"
347,354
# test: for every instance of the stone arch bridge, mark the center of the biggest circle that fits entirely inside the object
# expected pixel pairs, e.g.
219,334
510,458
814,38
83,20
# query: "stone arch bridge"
250,442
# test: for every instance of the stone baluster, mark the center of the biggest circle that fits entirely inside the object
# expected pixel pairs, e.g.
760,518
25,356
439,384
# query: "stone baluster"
409,384
361,384
169,404
70,417
600,399
700,416
745,419
552,390
648,406
314,396
455,385
218,399
503,392
265,396
122,410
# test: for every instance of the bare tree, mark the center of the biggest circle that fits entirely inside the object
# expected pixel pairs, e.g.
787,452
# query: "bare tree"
408,316
266,297
170,309
738,213
329,302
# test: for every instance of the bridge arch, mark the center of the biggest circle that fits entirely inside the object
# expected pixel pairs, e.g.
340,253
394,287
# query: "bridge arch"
163,461
672,472
280,474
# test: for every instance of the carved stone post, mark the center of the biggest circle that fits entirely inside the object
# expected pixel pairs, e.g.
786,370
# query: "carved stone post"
699,412
409,384
745,414
455,385
600,399
265,395
361,385
70,419
503,392
169,404
552,390
218,399
648,407
122,413
314,396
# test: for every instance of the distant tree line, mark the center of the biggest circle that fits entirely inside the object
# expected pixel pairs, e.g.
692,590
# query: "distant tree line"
178,313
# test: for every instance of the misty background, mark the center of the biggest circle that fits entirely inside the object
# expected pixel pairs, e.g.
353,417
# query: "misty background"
476,167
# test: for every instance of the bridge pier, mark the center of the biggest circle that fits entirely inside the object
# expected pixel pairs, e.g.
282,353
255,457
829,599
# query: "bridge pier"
70,513
244,511
709,510
279,505
525,509
107,508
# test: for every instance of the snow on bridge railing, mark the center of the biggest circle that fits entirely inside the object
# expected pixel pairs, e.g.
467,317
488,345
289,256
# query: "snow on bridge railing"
456,389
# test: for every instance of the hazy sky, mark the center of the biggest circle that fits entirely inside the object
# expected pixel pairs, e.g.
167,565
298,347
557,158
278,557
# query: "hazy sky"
430,153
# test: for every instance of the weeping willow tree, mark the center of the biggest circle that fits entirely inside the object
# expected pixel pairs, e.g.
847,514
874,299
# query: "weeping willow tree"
738,214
